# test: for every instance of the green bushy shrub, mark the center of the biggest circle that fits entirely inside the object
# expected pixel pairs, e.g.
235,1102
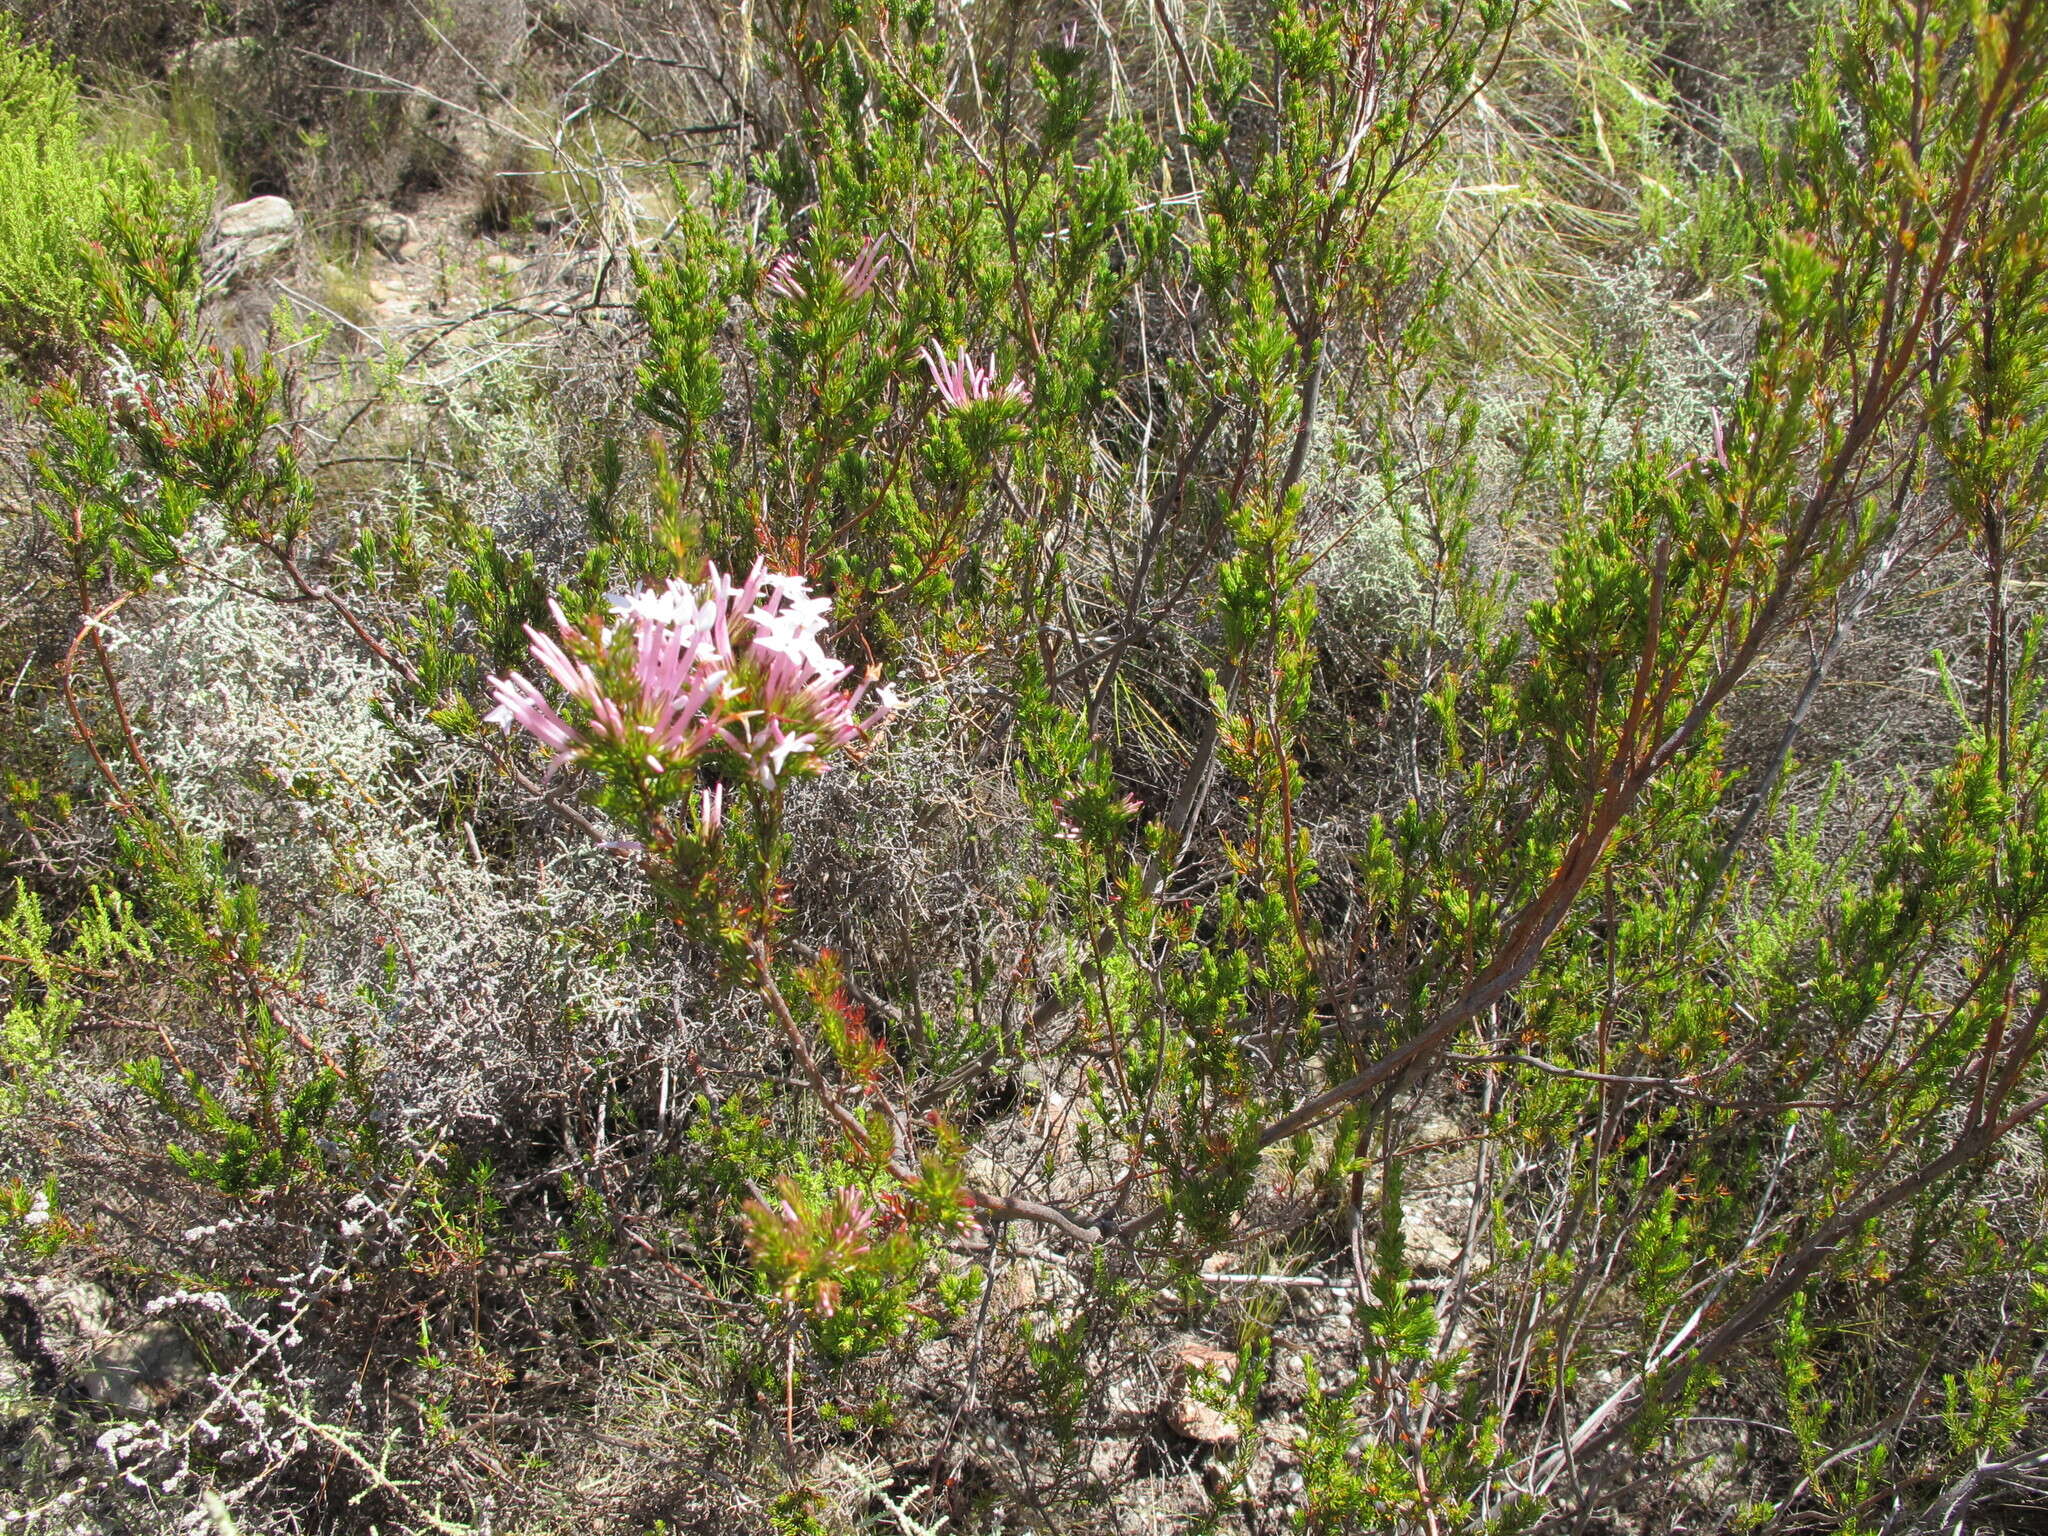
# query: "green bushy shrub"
58,191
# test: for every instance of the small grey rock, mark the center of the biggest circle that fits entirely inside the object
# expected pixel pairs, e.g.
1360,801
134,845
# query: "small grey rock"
1189,1415
253,236
390,232
1430,1243
75,1314
142,1369
1285,1437
215,61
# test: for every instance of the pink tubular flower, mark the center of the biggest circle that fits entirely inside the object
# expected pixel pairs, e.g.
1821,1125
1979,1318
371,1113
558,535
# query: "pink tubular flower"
728,669
851,1220
780,277
962,381
521,704
858,274
805,1246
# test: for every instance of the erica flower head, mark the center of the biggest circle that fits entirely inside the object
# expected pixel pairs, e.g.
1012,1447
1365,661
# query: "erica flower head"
963,382
857,274
780,277
732,671
805,1248
860,273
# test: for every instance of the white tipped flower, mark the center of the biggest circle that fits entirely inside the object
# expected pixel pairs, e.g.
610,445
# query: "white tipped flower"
728,669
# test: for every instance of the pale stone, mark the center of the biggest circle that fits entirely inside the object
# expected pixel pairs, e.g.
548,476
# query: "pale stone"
142,1369
215,60
1018,1287
254,235
1428,1241
1189,1415
391,233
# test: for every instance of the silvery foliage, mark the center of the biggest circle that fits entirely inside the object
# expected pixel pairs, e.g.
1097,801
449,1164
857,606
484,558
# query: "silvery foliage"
267,1403
1366,580
1687,356
262,720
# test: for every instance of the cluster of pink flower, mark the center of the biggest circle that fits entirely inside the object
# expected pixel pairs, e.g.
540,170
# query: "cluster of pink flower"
727,668
858,274
963,382
798,1240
